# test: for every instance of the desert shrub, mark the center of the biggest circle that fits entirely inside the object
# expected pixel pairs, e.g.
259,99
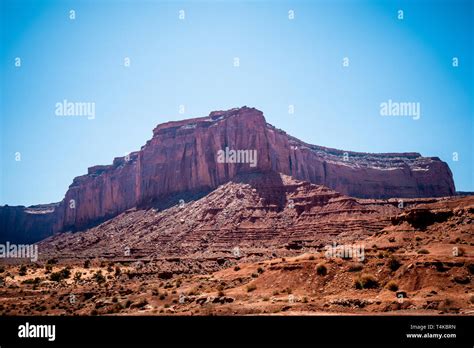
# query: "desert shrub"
162,297
254,275
110,269
221,293
311,257
251,287
260,270
423,251
32,281
461,252
87,264
391,239
22,271
193,291
418,238
321,269
275,292
392,286
446,304
62,274
366,281
355,267
52,262
99,277
236,268
118,271
393,263
77,276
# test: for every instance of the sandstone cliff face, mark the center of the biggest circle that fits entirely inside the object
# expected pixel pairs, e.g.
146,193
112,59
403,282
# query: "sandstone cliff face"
182,157
29,224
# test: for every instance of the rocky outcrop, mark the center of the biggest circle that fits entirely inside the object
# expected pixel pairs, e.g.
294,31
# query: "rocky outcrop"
183,157
29,224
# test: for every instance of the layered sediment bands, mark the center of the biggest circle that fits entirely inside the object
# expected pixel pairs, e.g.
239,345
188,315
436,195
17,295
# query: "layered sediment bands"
258,211
181,159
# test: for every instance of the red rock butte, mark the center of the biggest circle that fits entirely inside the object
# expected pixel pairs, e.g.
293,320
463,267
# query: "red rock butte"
181,159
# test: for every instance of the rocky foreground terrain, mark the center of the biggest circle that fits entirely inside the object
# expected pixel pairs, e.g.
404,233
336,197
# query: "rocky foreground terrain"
262,243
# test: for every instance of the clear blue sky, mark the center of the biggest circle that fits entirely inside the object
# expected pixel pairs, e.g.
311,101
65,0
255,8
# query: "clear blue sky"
190,62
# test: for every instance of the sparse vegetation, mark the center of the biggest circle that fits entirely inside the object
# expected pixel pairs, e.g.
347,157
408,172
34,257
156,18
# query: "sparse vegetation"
393,264
34,281
62,274
99,277
321,269
423,251
460,252
22,270
251,287
366,281
382,254
355,267
77,276
236,268
118,271
392,286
